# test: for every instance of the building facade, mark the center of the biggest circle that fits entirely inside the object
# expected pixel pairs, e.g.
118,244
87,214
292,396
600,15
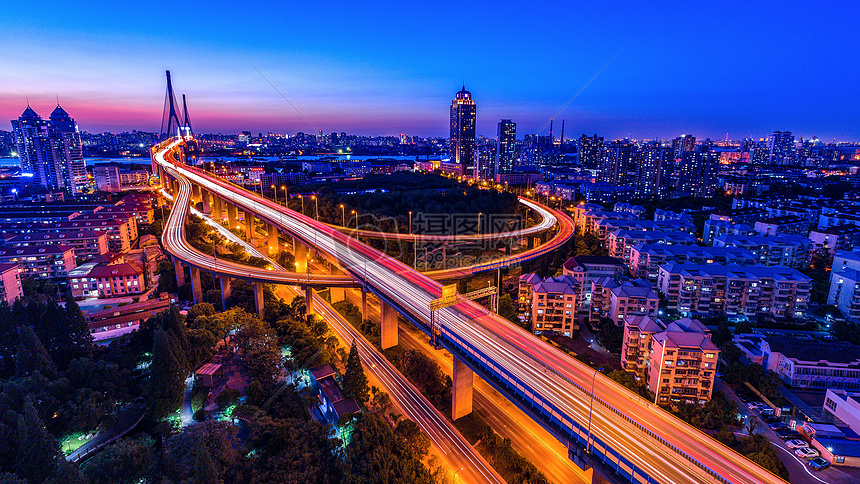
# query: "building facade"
51,150
463,130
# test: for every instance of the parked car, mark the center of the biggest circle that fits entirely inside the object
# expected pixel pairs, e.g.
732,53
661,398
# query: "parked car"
783,431
791,436
796,443
753,405
778,425
819,463
806,452
769,419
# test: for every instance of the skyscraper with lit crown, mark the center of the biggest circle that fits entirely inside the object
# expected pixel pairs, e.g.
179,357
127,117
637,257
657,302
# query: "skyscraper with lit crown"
463,130
51,150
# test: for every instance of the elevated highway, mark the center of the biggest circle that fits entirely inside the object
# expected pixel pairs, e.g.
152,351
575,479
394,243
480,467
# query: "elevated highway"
602,423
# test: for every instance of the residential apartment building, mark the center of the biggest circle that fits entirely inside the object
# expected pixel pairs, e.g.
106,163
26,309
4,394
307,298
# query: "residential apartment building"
789,225
845,284
773,250
646,259
620,242
636,345
715,228
835,238
803,363
682,363
106,280
604,227
586,268
751,291
87,244
633,298
550,304
51,262
10,282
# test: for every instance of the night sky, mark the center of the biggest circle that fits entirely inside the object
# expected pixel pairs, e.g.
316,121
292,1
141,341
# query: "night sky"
742,68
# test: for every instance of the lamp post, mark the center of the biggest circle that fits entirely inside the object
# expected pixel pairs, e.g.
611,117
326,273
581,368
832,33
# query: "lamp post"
276,193
286,198
342,215
454,477
317,203
303,203
479,222
590,409
410,222
356,221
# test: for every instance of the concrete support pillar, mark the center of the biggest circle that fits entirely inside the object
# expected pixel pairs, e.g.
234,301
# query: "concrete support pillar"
196,287
461,394
216,208
195,192
300,254
273,239
249,226
258,299
336,293
363,303
180,272
309,298
204,195
225,291
388,319
530,242
232,215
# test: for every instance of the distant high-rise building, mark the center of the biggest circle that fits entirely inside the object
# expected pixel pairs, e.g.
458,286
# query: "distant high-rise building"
781,146
463,130
682,144
506,149
590,148
697,175
51,150
617,167
652,162
485,168
107,177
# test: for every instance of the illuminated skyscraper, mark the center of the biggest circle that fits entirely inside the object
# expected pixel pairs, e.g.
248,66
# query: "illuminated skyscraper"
781,145
51,150
463,130
506,146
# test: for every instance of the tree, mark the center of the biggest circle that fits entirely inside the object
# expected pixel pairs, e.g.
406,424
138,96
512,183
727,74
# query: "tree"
201,309
354,380
204,468
507,309
32,356
125,461
743,327
166,376
416,440
38,451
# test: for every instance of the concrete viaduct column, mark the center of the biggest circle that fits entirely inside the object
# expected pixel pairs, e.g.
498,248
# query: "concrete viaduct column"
195,192
196,288
216,208
388,320
309,297
363,303
461,394
232,215
225,291
258,299
336,293
249,226
300,254
272,232
180,272
204,195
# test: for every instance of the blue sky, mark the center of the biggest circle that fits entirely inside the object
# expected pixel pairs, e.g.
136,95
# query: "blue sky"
737,68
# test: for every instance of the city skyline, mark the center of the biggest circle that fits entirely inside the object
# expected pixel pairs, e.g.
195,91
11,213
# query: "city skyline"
720,72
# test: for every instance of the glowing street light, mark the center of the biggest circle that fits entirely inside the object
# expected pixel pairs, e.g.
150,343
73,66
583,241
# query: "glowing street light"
276,193
343,215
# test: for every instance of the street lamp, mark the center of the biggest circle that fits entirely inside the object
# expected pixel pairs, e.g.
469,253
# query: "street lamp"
276,193
410,222
286,197
317,203
479,222
303,203
342,215
590,409
356,220
454,477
